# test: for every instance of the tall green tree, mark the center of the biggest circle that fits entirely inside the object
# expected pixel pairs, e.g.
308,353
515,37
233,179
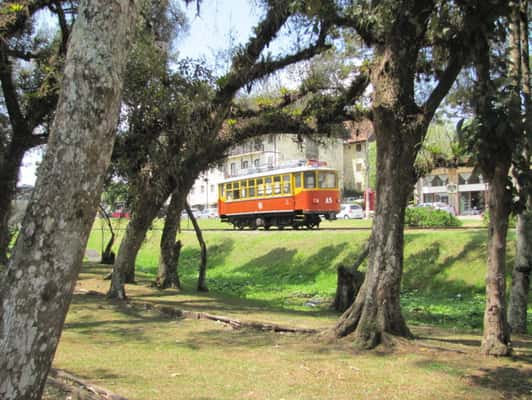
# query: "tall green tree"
408,41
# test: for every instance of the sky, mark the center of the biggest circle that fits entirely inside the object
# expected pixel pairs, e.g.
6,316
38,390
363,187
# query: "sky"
220,25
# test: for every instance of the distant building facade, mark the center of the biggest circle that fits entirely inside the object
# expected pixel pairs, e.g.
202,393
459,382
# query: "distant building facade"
464,188
356,156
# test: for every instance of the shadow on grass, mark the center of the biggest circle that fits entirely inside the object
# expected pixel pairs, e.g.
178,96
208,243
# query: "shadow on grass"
510,382
216,254
226,305
424,272
99,319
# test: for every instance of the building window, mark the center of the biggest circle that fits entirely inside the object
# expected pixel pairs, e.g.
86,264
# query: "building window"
232,168
359,167
212,188
245,164
358,148
202,189
256,163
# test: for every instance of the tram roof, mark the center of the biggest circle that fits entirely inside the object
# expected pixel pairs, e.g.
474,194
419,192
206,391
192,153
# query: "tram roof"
278,171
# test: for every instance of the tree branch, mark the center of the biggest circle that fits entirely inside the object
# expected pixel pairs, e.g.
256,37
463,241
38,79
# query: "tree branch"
447,79
65,30
242,64
16,117
264,68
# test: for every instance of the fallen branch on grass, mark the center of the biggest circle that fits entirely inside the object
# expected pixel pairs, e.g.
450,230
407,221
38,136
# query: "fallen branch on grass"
71,383
234,323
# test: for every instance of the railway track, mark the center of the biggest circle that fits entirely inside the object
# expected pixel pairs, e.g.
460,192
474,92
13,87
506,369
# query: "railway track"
330,229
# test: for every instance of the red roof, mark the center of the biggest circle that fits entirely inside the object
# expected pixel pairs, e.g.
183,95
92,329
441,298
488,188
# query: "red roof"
361,131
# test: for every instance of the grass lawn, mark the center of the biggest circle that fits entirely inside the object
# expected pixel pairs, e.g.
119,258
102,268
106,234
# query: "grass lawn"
288,277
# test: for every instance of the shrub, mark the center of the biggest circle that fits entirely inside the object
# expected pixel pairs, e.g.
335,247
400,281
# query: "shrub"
427,217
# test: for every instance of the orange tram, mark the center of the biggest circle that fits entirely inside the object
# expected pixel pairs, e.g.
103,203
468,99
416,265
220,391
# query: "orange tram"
288,197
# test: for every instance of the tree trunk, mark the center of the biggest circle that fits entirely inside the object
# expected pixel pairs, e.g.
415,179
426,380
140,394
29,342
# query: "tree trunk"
144,212
9,168
496,331
168,275
42,273
108,256
202,286
376,310
349,282
517,312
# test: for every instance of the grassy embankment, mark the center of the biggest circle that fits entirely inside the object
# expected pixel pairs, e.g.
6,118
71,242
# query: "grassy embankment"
443,281
278,276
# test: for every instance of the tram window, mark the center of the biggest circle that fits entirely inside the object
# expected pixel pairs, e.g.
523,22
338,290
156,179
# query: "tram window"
310,180
260,187
236,194
268,186
221,190
326,180
297,180
277,184
243,189
229,186
229,195
286,184
251,188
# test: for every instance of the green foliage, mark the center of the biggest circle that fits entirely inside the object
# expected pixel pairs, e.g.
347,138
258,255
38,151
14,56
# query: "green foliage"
426,217
440,148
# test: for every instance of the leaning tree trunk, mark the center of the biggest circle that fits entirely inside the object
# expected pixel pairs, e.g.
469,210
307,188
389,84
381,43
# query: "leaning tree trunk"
168,275
202,286
376,310
42,273
496,330
143,214
9,168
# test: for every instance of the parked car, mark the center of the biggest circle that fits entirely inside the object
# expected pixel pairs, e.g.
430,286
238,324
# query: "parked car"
350,211
209,213
439,206
195,213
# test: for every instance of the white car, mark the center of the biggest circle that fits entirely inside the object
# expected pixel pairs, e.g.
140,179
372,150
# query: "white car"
350,211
